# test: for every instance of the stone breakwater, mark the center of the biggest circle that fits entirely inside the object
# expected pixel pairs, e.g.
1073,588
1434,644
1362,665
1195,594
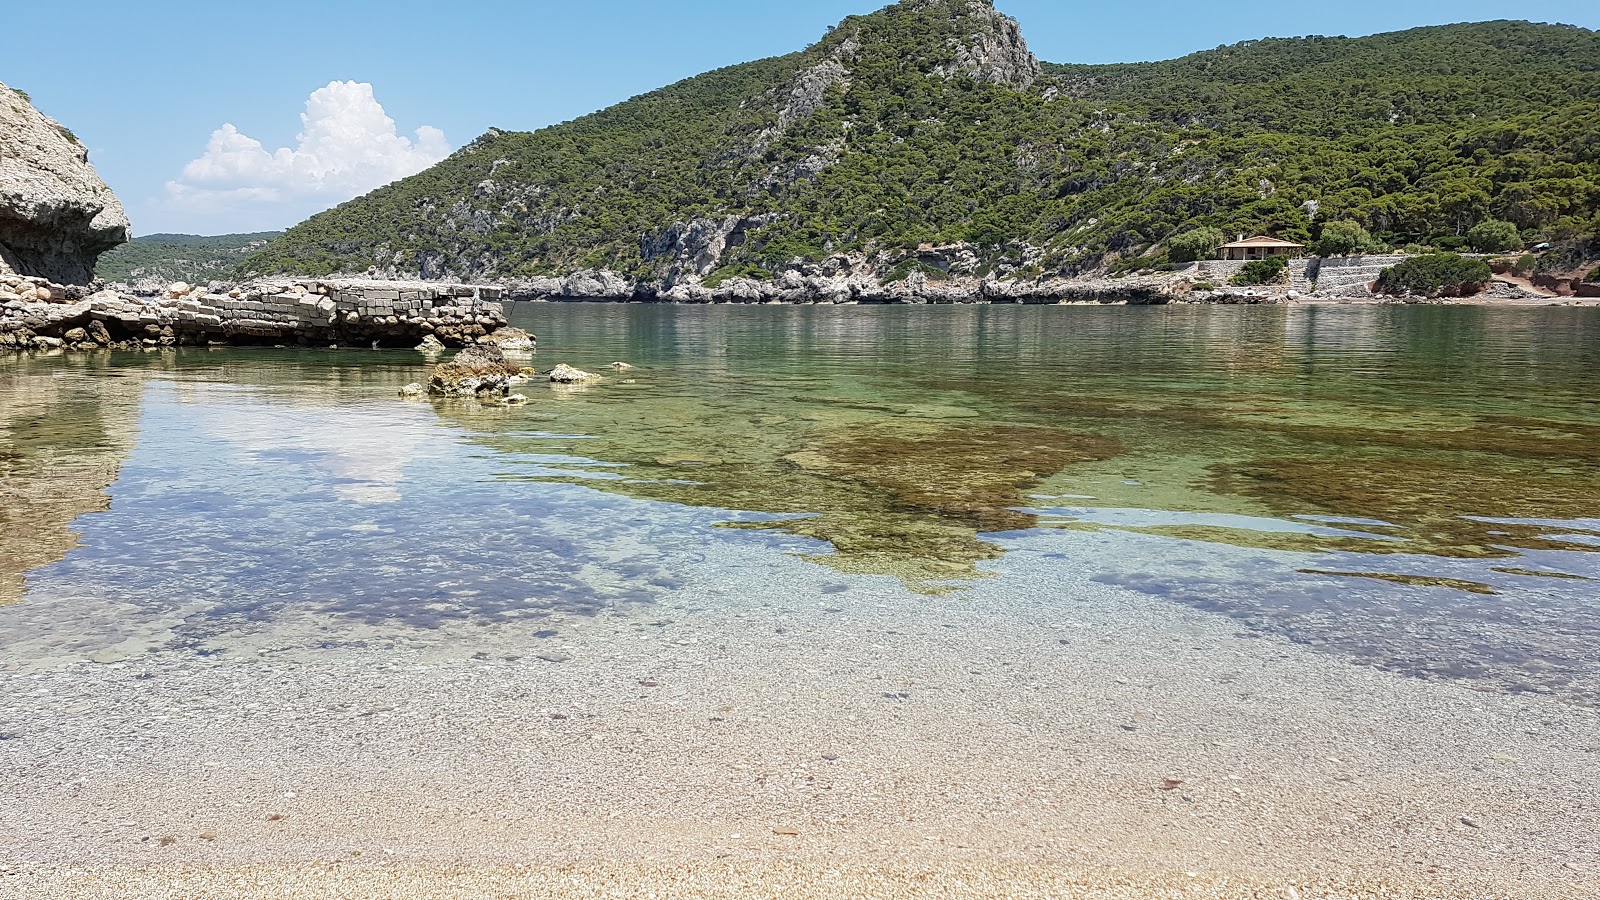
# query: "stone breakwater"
36,314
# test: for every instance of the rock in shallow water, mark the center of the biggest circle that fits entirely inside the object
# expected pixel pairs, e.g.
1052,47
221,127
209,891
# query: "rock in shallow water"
479,369
565,374
511,339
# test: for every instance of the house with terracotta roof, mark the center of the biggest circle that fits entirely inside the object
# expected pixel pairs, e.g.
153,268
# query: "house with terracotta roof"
1260,247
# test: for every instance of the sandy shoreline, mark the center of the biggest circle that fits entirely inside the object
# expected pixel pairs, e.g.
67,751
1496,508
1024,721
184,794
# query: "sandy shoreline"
1017,742
819,877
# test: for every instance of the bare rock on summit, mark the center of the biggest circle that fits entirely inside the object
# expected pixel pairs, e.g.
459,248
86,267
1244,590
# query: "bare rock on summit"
996,53
56,215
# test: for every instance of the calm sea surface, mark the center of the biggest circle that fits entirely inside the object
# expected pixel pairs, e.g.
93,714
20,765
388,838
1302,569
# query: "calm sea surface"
1412,488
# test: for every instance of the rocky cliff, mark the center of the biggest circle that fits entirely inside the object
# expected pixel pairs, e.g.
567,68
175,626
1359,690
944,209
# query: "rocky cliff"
56,215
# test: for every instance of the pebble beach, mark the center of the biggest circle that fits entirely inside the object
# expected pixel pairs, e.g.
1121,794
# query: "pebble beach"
1099,745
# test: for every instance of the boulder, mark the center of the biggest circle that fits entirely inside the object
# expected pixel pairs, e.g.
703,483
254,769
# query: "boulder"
56,215
565,374
511,339
431,344
478,370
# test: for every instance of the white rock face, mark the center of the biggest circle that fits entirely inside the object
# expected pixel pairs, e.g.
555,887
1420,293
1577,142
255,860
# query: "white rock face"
56,215
997,54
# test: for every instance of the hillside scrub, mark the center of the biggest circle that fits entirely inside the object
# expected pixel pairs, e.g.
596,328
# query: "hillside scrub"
1346,238
1494,236
1262,271
179,257
876,141
1195,244
1435,275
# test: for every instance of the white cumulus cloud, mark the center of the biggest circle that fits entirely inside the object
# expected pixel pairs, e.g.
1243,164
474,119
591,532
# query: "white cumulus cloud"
346,147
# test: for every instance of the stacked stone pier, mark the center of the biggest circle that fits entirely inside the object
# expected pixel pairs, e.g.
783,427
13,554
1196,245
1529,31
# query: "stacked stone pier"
36,314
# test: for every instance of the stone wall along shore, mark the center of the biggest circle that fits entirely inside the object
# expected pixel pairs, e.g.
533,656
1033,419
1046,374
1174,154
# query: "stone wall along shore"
36,314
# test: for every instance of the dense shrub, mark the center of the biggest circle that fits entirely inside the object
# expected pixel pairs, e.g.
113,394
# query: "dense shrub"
1494,236
1594,275
1263,271
1196,243
1526,263
1436,275
1346,238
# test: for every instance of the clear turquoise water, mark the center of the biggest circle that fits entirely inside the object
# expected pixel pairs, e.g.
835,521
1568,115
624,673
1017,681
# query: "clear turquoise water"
1412,488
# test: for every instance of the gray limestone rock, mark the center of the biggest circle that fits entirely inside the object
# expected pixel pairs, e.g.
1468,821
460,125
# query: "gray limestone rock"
565,374
56,215
997,54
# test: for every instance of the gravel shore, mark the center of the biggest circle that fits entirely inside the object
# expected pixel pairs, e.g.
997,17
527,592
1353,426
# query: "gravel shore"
1044,737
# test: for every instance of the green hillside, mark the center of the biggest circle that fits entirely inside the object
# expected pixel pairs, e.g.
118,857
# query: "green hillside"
166,258
926,123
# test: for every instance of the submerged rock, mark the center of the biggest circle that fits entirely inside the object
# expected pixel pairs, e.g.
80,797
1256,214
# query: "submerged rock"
412,390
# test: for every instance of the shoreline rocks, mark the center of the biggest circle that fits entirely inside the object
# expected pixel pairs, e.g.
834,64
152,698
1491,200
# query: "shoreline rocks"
795,287
36,314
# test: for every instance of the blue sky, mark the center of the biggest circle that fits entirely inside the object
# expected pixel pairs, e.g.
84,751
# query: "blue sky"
147,86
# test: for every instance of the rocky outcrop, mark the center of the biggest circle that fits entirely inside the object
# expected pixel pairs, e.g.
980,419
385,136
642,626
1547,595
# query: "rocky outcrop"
56,215
996,53
697,247
481,371
36,314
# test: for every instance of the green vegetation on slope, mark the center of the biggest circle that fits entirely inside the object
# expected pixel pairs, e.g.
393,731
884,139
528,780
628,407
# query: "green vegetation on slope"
166,258
876,139
1436,275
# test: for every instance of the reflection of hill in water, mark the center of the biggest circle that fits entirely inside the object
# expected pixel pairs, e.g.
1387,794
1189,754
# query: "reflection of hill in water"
902,437
65,429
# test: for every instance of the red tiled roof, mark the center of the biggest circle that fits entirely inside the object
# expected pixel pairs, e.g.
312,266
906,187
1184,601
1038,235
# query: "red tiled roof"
1260,240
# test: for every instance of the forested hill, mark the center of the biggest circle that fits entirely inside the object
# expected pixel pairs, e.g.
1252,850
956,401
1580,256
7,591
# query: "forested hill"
157,260
929,122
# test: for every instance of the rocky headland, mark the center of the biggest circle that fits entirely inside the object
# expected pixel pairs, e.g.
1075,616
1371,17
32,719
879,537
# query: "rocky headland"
56,215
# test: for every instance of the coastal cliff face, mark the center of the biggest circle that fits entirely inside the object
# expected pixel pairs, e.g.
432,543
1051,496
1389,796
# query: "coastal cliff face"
56,215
